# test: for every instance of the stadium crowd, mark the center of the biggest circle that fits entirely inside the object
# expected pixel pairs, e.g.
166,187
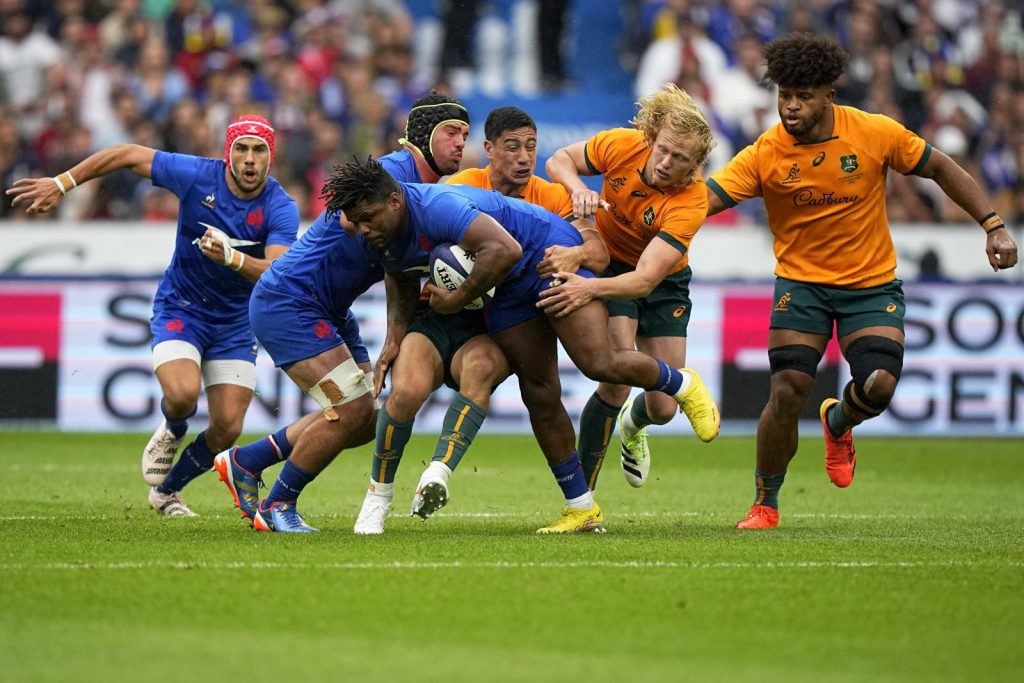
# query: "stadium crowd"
337,77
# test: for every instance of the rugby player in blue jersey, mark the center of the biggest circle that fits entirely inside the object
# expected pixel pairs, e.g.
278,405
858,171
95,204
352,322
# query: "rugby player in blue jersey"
403,222
233,220
300,313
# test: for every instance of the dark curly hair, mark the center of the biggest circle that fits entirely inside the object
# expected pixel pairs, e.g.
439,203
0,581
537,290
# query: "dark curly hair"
803,60
357,183
504,119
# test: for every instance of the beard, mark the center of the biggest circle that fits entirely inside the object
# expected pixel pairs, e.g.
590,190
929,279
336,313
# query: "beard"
806,125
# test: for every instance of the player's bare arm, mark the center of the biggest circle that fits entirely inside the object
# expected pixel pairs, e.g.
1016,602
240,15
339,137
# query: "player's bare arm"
496,253
402,291
566,166
715,203
592,254
656,263
42,195
964,190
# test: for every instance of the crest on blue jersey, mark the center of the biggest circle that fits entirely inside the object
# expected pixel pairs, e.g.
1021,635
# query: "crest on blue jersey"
209,200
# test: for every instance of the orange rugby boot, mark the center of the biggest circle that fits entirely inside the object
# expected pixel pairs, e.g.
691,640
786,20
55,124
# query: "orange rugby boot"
840,458
759,517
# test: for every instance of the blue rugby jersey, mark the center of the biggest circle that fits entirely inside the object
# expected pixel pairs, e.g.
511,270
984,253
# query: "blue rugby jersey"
329,264
442,213
192,281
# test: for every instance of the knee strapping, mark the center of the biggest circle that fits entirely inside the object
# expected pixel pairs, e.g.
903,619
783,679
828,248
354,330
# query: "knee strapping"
343,384
866,356
799,357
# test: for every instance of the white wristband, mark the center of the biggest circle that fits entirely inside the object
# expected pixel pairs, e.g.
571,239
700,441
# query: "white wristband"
60,185
241,260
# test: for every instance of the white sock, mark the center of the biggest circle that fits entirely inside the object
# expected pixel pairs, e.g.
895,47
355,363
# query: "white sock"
382,490
687,381
436,470
584,502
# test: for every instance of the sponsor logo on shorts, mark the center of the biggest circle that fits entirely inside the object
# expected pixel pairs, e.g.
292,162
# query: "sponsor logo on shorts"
818,160
678,313
209,201
175,326
794,175
782,305
322,329
891,308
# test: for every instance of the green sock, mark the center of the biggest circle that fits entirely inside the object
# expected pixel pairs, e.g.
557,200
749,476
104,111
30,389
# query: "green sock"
638,413
461,423
387,452
838,423
767,487
597,425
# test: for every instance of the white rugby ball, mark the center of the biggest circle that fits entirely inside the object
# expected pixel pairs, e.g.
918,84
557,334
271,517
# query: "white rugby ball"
450,265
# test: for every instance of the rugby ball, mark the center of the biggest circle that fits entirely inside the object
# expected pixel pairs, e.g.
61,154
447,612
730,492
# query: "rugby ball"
450,265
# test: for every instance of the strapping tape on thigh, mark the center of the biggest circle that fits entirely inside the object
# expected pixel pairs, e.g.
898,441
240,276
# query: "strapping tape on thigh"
341,385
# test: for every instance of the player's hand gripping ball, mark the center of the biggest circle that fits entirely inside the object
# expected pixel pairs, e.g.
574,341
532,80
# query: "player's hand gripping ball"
450,265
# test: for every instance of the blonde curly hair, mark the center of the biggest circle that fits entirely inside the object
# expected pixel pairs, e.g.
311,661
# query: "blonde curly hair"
672,108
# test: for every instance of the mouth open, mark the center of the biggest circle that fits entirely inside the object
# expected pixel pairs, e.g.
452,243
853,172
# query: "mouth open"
521,173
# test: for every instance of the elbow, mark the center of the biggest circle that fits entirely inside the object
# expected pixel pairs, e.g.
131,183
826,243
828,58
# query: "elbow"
598,263
551,165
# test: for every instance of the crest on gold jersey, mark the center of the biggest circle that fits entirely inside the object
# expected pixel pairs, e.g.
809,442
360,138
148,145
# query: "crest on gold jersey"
649,216
794,175
848,163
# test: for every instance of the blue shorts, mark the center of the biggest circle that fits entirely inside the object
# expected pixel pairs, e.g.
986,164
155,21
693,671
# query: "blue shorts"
515,300
293,328
215,340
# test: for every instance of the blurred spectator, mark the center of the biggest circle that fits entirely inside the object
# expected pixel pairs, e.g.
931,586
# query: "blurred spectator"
342,74
25,56
665,60
156,84
16,160
745,103
735,19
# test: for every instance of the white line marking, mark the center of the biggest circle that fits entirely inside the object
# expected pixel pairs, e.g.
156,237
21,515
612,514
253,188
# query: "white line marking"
602,564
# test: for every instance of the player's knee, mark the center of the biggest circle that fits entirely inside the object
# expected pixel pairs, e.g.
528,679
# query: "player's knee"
875,366
486,368
407,396
179,402
222,433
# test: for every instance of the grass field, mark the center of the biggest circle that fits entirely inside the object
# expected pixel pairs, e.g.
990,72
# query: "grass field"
915,573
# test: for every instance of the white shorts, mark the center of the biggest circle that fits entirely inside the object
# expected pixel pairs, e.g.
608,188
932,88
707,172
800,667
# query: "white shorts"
240,372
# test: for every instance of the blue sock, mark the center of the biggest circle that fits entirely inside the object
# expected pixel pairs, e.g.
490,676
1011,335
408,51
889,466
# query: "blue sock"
669,379
288,486
767,487
195,459
259,455
177,425
569,476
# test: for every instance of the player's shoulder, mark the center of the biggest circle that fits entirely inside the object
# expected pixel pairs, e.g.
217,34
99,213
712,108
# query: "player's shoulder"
474,177
625,137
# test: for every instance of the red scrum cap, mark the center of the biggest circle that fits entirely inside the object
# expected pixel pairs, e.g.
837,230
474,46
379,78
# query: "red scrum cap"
248,126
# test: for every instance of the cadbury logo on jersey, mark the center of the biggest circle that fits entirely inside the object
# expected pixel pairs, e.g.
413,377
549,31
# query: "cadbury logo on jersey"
809,198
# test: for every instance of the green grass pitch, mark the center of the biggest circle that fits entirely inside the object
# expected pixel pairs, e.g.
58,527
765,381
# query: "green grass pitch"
915,573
